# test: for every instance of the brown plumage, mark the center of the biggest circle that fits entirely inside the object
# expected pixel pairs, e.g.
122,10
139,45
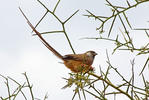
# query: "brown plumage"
75,62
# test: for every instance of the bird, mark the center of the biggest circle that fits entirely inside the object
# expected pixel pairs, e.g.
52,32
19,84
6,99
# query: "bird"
75,62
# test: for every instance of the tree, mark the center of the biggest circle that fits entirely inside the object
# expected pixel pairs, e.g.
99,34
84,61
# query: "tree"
88,83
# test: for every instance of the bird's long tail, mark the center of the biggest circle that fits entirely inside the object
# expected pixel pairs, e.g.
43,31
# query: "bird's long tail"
42,39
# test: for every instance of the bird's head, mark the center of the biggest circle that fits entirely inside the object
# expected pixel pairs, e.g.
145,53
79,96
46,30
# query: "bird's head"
91,53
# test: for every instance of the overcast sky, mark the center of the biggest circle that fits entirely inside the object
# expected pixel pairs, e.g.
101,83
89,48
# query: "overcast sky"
21,52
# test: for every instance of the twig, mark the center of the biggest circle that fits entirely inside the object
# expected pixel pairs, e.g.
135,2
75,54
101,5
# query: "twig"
112,85
29,86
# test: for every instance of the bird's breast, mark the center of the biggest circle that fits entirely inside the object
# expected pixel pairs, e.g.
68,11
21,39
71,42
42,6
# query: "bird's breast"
77,66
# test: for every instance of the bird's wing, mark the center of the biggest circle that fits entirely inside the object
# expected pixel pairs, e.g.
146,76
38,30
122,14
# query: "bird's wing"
76,57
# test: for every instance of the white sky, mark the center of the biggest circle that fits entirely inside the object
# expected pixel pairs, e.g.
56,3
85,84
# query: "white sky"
20,52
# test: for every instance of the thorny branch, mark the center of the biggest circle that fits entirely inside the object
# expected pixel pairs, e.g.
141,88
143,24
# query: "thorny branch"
14,92
128,42
88,83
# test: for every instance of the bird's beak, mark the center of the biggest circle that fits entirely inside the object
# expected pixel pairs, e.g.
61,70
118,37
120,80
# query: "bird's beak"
96,54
